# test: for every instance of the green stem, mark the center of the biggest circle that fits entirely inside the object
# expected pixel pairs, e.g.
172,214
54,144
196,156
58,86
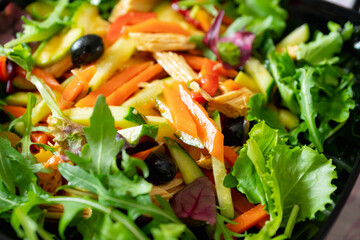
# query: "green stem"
292,220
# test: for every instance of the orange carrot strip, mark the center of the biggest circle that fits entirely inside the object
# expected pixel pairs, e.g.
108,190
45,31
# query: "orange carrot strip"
248,219
15,110
73,89
77,87
114,83
144,154
156,26
47,78
230,155
85,74
182,119
197,62
116,28
241,204
207,130
126,90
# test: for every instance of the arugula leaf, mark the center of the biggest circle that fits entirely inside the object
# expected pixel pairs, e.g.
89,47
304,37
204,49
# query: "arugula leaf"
120,185
101,226
27,220
221,231
115,215
314,105
100,136
78,177
131,164
15,172
71,209
38,31
9,201
321,51
170,231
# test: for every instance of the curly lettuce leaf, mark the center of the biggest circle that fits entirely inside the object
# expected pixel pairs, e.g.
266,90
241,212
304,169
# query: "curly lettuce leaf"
258,111
262,11
267,138
304,177
287,176
283,70
322,50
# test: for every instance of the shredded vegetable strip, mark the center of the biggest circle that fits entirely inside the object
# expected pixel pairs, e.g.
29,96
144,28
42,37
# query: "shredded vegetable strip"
125,91
180,115
209,134
114,83
248,219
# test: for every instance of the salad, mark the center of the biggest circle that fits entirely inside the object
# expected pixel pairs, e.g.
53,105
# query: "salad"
149,119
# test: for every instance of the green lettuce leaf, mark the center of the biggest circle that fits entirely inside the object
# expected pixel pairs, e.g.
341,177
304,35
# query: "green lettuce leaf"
304,177
264,11
258,111
283,70
287,177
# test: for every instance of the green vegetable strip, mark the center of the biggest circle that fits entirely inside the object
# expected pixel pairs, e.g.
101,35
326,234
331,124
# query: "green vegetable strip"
223,193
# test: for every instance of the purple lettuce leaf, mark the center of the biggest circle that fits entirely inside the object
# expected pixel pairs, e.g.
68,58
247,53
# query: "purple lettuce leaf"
196,201
242,39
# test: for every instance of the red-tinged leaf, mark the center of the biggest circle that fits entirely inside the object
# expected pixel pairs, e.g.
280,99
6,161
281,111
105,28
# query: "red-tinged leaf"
196,201
243,40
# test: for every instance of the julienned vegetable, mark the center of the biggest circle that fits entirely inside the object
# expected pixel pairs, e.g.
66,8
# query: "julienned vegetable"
172,121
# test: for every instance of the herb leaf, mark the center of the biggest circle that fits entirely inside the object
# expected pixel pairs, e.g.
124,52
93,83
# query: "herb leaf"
39,31
100,136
